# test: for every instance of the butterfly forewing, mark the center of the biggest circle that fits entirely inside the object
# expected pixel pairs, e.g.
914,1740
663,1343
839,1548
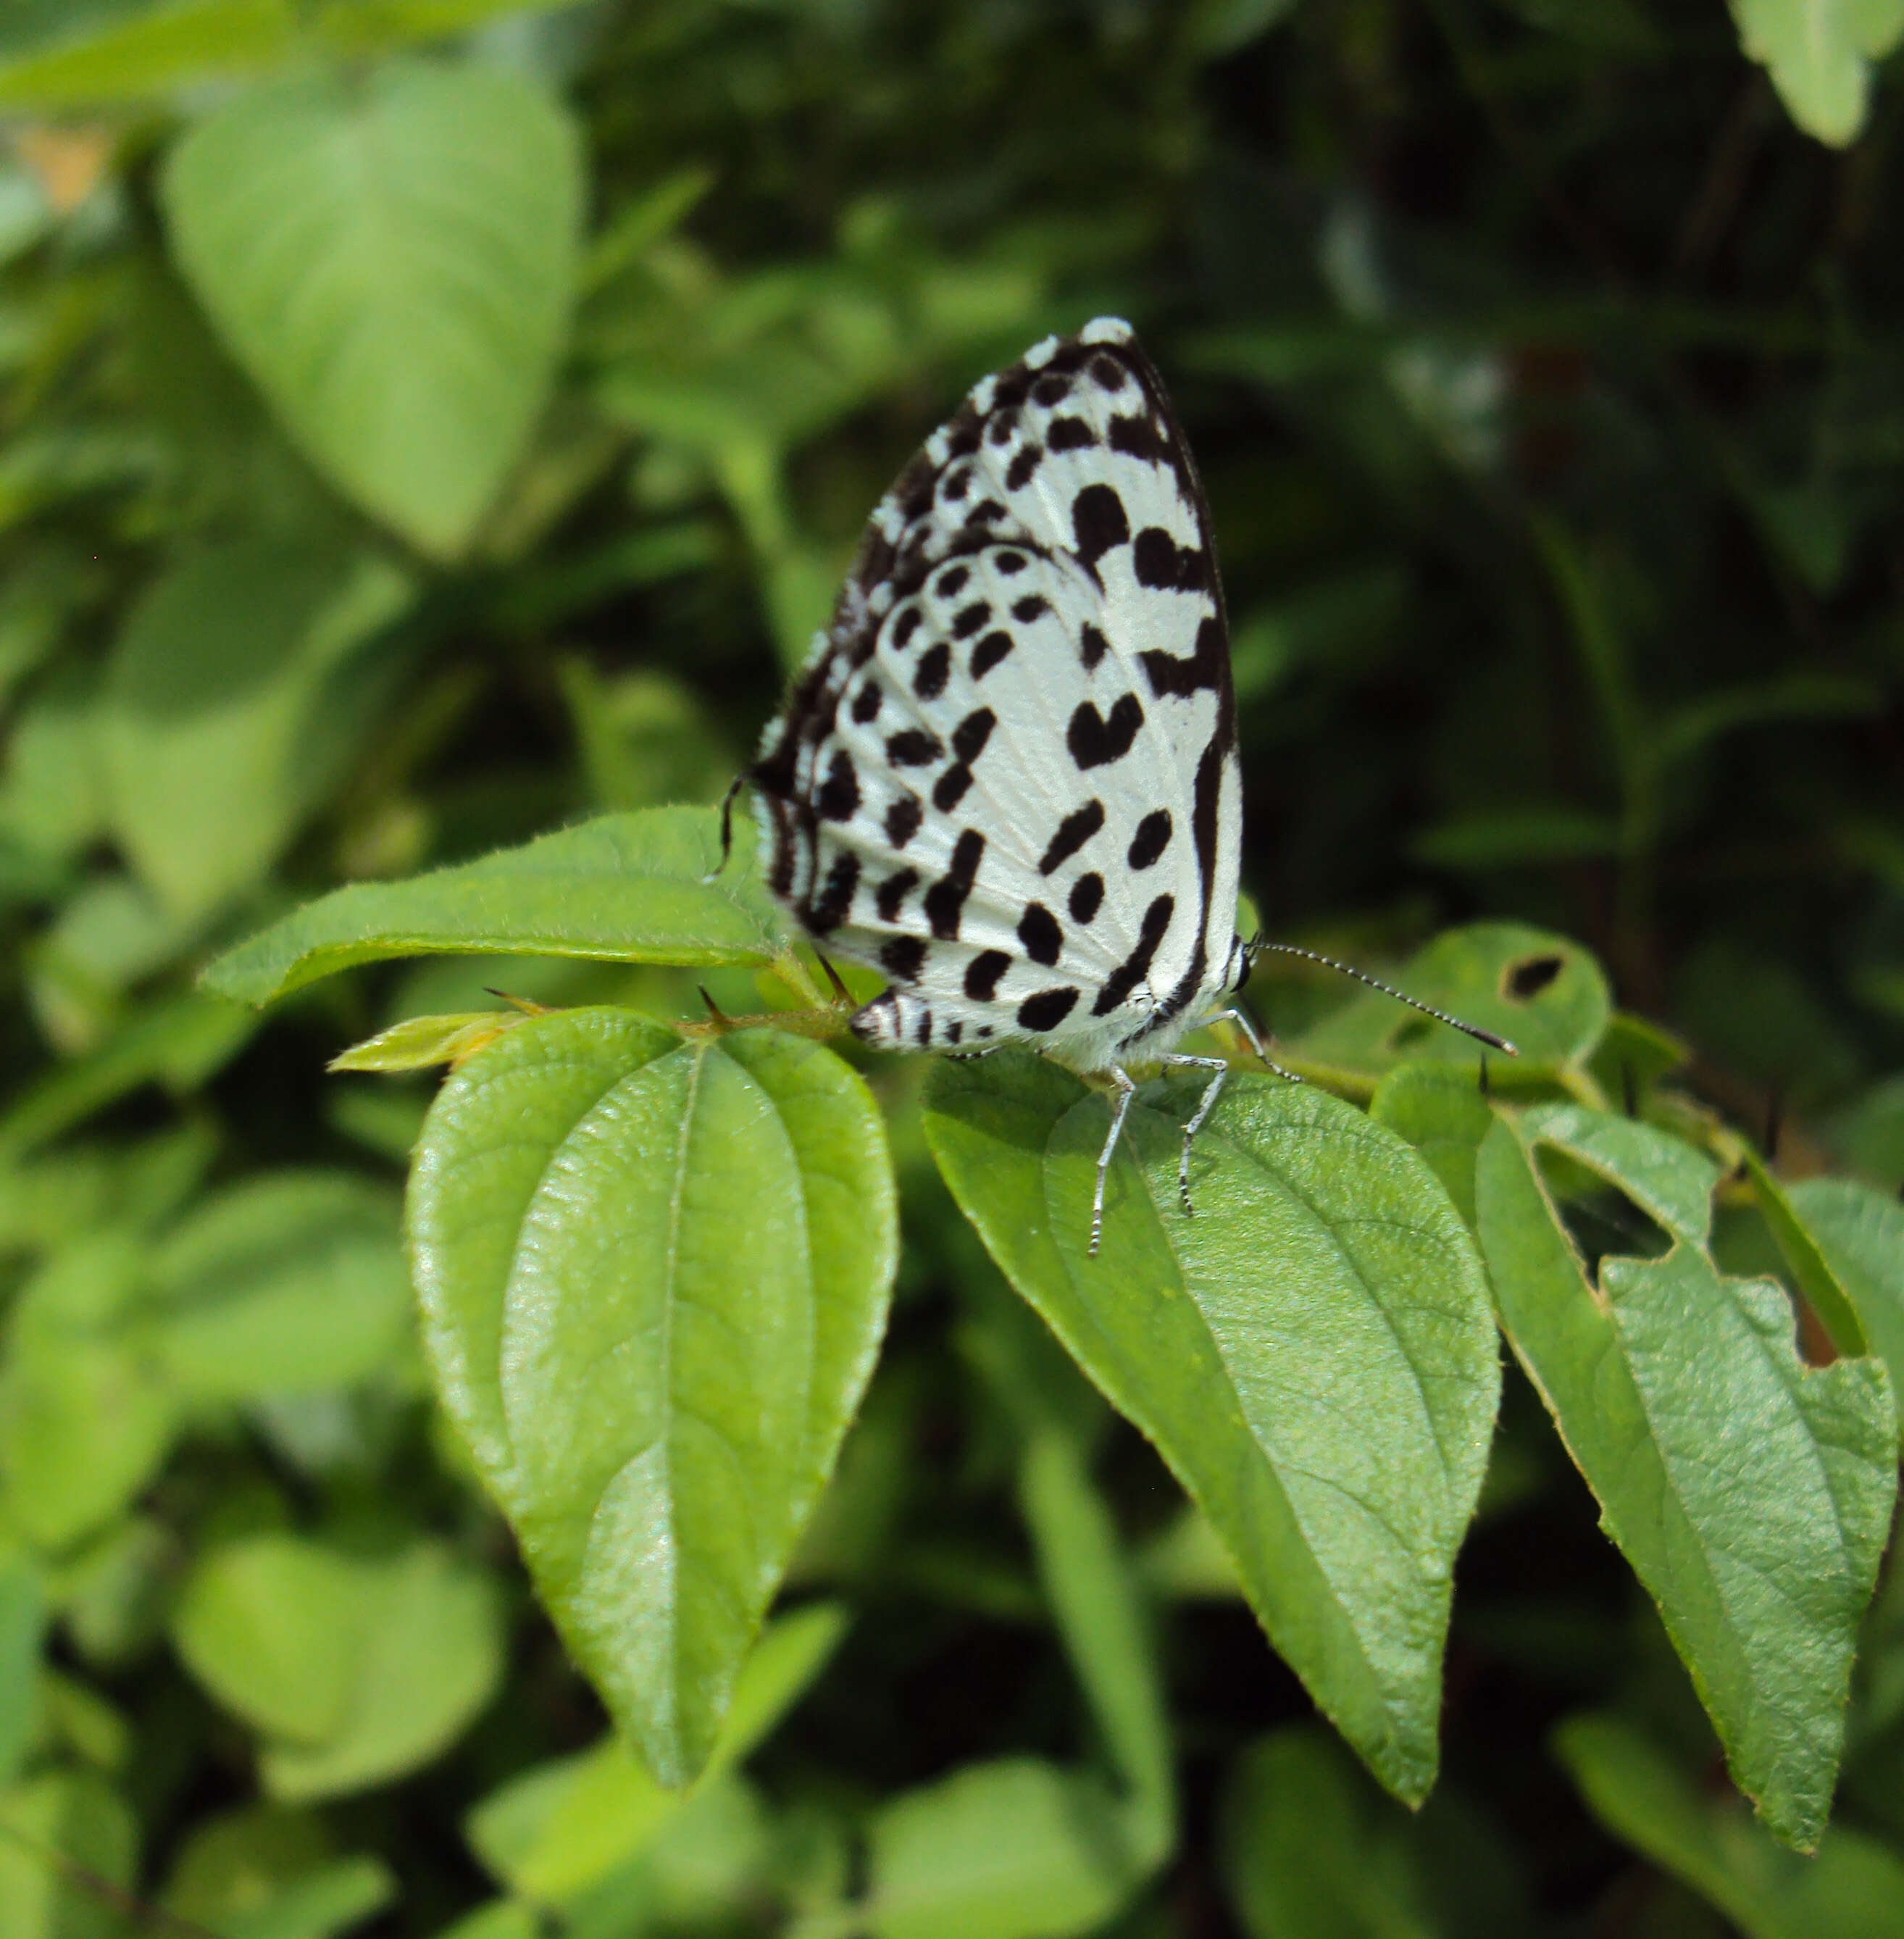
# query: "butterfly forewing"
1008,777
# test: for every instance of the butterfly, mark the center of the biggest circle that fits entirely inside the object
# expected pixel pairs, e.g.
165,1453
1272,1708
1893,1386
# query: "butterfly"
1007,776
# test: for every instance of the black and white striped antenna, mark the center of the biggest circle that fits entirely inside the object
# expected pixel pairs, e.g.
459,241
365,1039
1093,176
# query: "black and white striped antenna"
1261,945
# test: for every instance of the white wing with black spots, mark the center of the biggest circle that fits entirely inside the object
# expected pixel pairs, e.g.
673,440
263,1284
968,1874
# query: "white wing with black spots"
1008,776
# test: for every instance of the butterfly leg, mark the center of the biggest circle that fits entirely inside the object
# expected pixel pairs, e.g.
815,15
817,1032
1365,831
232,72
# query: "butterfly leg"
1126,1092
1242,1021
1220,1070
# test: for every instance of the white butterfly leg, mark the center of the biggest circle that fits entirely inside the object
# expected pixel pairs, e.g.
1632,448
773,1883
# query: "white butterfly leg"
1206,1105
1207,1102
1126,1092
1242,1022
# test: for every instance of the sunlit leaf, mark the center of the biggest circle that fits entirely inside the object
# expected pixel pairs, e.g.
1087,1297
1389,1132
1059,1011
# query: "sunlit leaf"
654,1387
1312,1352
627,888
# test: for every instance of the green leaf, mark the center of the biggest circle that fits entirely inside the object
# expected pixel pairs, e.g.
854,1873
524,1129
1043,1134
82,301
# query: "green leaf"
167,47
623,888
290,1282
1811,1270
1819,54
1014,1849
1632,1057
1093,1595
429,1655
177,1042
86,1418
356,1669
266,1872
271,1626
391,256
654,1387
1859,1235
1545,994
1311,1354
86,1823
1310,1849
1750,1493
1443,1114
1663,1176
23,1621
556,1829
418,1043
1852,1889
224,716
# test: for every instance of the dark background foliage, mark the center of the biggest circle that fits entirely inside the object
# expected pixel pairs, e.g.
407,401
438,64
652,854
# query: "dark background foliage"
1545,381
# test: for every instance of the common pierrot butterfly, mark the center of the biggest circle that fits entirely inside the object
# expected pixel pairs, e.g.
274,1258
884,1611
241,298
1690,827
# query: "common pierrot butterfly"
1007,776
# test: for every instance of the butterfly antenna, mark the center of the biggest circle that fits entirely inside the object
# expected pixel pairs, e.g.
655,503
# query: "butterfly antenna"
1387,989
727,827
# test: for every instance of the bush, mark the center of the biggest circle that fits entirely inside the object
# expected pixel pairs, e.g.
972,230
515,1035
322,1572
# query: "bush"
434,430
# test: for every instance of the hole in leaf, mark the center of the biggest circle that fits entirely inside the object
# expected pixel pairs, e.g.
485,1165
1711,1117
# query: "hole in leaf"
1600,1218
1531,975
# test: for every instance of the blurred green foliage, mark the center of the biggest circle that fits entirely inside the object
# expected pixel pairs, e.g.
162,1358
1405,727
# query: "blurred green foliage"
428,422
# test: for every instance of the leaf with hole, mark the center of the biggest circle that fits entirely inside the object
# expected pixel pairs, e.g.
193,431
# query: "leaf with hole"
1750,1493
1546,996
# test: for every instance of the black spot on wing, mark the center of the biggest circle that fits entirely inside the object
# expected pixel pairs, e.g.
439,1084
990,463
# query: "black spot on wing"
1087,897
838,797
913,492
952,581
914,748
969,737
1009,563
902,956
1098,522
1207,667
1024,463
962,432
970,619
945,900
992,648
1152,838
1138,437
951,787
1092,647
835,899
902,819
1073,831
866,702
893,893
1038,931
1047,1009
934,670
982,974
904,627
1052,388
1095,739
1032,606
1136,965
1069,434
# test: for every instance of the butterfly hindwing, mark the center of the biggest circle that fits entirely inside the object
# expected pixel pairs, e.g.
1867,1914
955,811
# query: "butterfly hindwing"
1008,777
